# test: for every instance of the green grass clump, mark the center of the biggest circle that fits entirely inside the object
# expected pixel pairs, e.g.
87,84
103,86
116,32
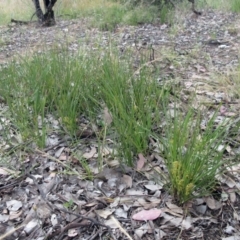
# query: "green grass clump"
108,19
47,84
70,86
134,103
142,14
235,6
193,156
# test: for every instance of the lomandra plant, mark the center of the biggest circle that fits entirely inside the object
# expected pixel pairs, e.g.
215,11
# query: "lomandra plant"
45,84
193,156
68,86
134,102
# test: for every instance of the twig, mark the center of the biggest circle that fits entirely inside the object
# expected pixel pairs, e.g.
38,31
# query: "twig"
76,224
95,234
11,232
17,180
84,217
121,228
20,22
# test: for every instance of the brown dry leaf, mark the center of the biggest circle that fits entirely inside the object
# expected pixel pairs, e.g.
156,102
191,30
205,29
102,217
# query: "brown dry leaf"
236,216
237,237
107,117
103,151
200,69
119,212
195,76
132,191
91,204
54,220
229,229
171,212
114,223
188,84
234,170
126,200
232,195
160,234
227,180
153,187
198,201
174,208
4,218
213,204
14,205
112,163
31,226
142,230
15,215
141,161
59,152
6,171
224,196
67,196
50,182
104,213
201,208
108,173
90,154
63,157
72,232
171,220
127,180
223,110
187,223
43,210
151,203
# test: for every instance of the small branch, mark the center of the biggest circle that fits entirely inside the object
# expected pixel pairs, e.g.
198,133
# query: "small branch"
20,22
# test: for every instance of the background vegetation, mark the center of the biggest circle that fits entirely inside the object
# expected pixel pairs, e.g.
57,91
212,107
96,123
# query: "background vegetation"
107,13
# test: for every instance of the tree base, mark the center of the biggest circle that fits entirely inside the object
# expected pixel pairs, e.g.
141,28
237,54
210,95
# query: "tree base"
48,19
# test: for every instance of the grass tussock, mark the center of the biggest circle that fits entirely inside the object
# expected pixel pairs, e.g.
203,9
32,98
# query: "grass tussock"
71,86
65,87
193,151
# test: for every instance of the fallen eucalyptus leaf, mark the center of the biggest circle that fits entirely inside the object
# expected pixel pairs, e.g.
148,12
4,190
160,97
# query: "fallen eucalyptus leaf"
146,215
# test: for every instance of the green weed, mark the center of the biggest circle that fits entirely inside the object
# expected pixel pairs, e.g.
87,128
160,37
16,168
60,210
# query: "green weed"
69,204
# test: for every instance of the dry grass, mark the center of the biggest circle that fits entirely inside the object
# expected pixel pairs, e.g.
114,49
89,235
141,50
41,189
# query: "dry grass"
83,5
230,84
23,9
218,4
17,9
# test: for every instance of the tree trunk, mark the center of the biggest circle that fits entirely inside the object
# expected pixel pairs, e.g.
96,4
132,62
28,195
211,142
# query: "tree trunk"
45,19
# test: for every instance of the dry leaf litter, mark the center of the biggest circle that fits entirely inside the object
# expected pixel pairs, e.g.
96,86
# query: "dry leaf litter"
47,202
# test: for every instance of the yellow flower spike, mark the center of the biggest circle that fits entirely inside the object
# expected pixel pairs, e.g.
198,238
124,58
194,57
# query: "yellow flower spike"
181,184
189,189
175,166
